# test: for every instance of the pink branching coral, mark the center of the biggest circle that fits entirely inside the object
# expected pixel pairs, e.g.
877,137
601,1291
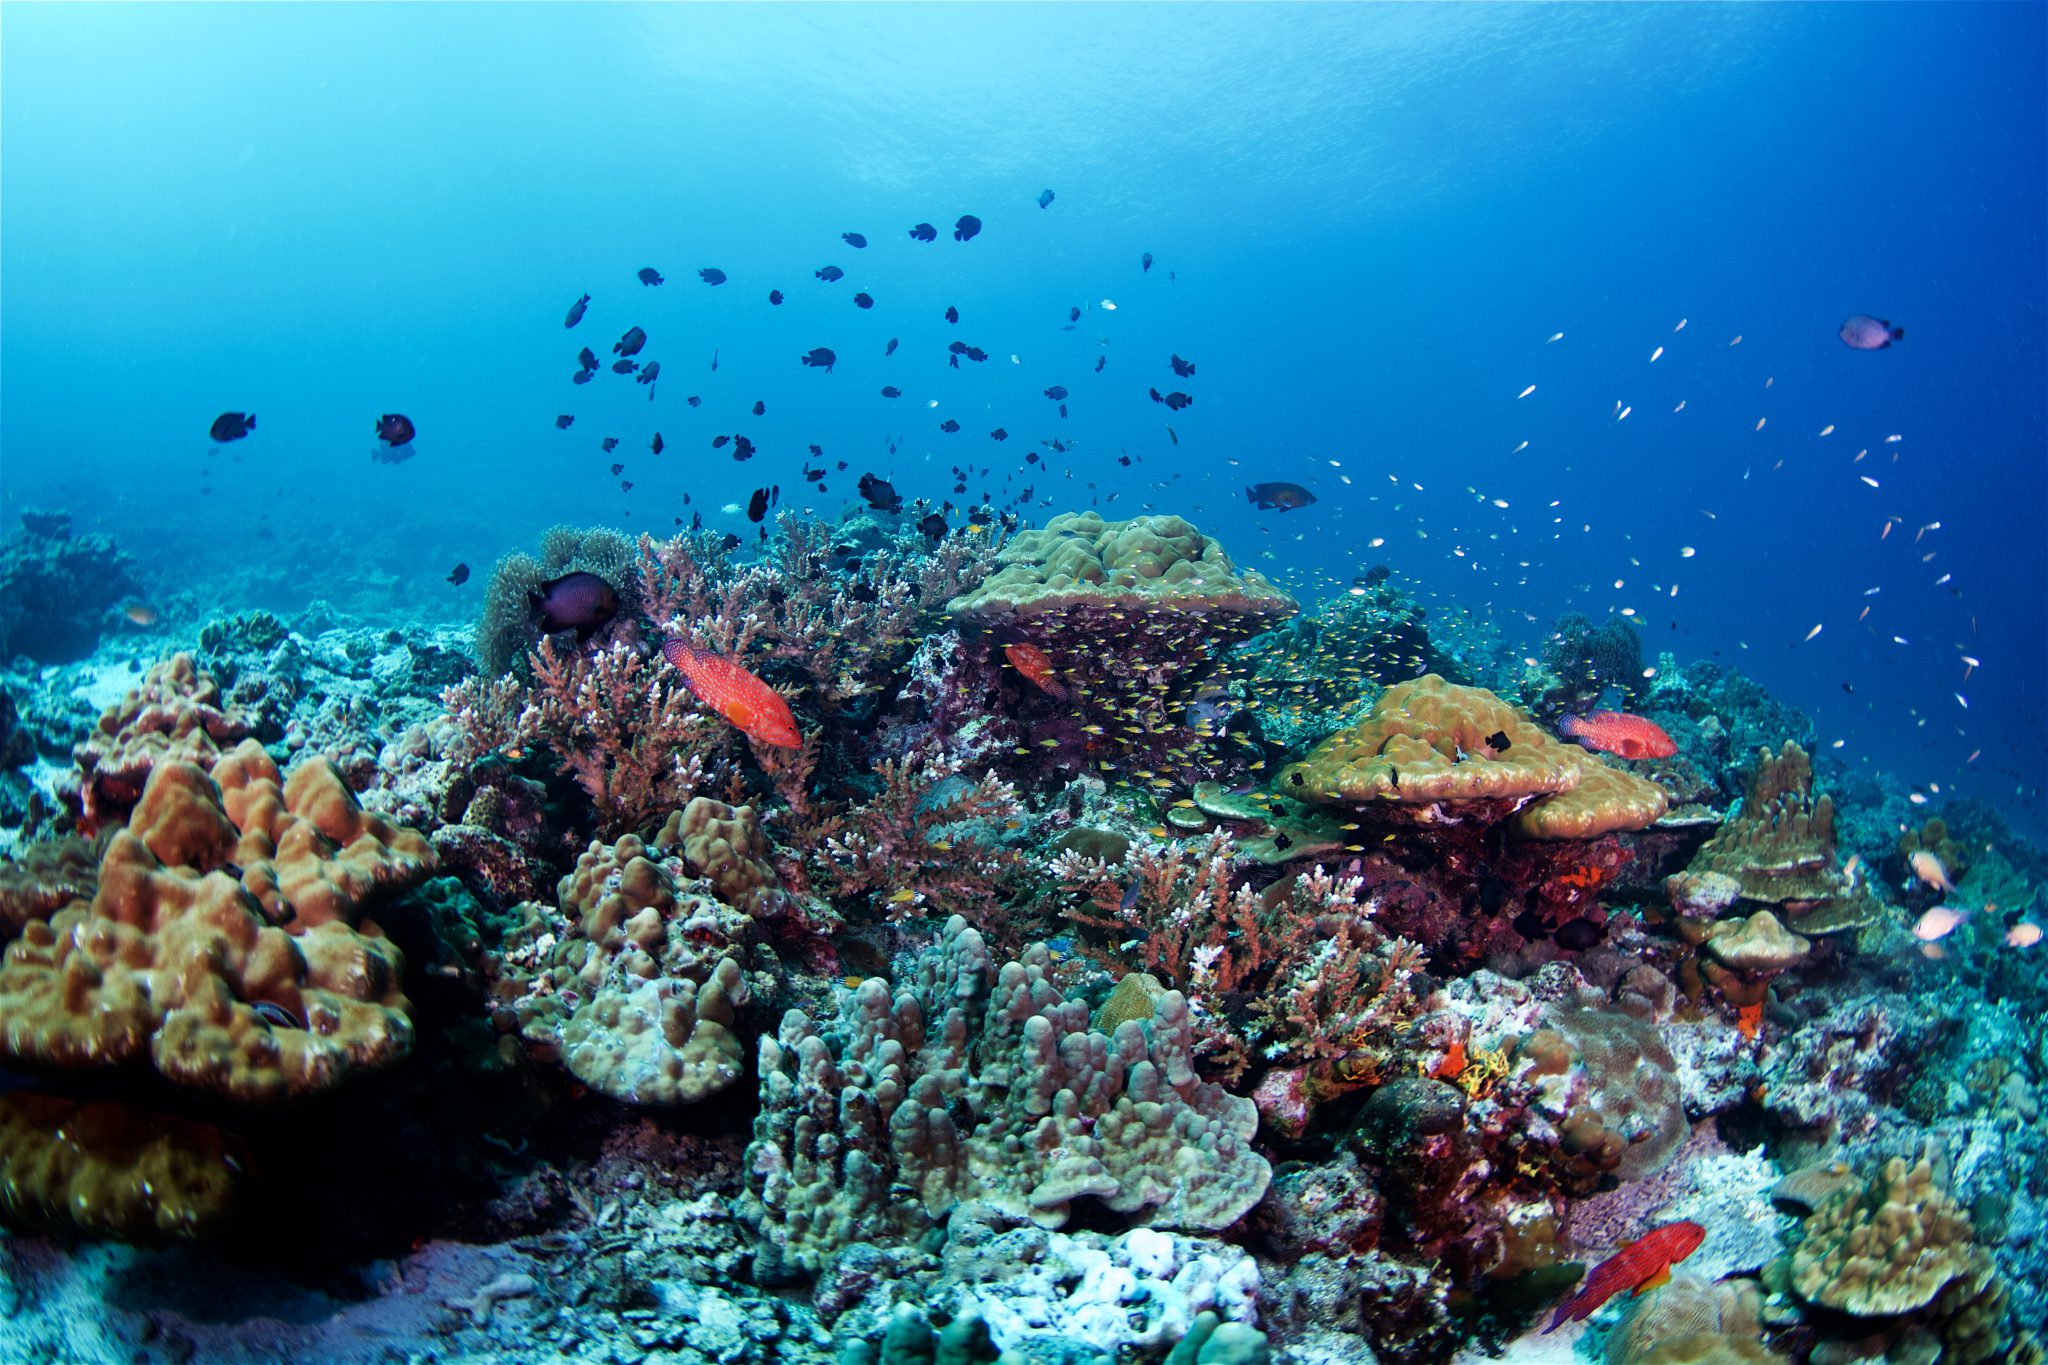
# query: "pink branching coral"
1298,972
619,722
924,844
842,627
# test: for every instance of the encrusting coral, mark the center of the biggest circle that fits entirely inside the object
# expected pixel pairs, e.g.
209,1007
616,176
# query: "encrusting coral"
1610,1086
227,939
973,1083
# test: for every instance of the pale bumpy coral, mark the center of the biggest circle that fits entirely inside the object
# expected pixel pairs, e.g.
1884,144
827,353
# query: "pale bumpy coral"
978,1084
638,982
1889,1247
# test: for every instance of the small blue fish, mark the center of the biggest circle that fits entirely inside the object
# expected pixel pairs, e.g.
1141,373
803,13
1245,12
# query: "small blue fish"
1045,199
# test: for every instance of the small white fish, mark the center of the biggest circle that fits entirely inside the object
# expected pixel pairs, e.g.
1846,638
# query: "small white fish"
1519,449
1927,866
732,509
1526,392
1737,341
1109,305
1555,336
1760,422
1893,440
1686,552
1014,360
1867,479
1623,413
1680,327
1680,407
1811,633
1962,701
1656,355
2025,934
1828,430
1938,923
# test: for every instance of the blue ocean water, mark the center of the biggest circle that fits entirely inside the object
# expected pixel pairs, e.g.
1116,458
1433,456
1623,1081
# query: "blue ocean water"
1365,222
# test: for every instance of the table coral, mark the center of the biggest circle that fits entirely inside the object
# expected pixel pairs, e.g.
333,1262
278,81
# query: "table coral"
1126,612
977,1083
1605,801
1780,850
1424,743
177,955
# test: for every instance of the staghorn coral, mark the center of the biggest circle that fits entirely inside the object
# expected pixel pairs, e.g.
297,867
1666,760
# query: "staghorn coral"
177,958
105,1168
974,1083
1294,974
844,627
175,713
925,842
1130,614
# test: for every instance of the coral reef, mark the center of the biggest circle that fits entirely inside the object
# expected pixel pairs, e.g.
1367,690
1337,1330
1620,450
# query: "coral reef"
227,939
112,1169
509,626
57,588
974,1084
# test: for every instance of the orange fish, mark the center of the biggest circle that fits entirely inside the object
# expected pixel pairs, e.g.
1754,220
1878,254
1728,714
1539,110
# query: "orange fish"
140,614
1035,664
1642,1265
1612,732
734,693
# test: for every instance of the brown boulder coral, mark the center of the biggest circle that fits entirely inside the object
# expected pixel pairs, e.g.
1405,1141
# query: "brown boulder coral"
177,956
104,1168
176,712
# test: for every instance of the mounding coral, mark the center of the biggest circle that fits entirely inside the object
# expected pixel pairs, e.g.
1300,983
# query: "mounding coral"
974,1083
228,940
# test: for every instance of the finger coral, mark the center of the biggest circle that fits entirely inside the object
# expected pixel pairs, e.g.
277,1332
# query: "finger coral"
637,983
1890,1247
977,1083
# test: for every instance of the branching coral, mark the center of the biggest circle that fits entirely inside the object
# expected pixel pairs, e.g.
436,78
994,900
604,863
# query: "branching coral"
1295,974
927,841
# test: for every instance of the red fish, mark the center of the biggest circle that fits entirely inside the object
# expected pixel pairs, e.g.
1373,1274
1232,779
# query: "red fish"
1614,733
1035,664
1642,1265
734,693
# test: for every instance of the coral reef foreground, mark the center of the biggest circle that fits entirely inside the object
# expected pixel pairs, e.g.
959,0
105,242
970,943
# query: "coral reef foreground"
1119,960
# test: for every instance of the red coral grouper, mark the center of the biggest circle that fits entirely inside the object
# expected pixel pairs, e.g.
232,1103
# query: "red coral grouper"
1035,664
734,693
1642,1265
1613,733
